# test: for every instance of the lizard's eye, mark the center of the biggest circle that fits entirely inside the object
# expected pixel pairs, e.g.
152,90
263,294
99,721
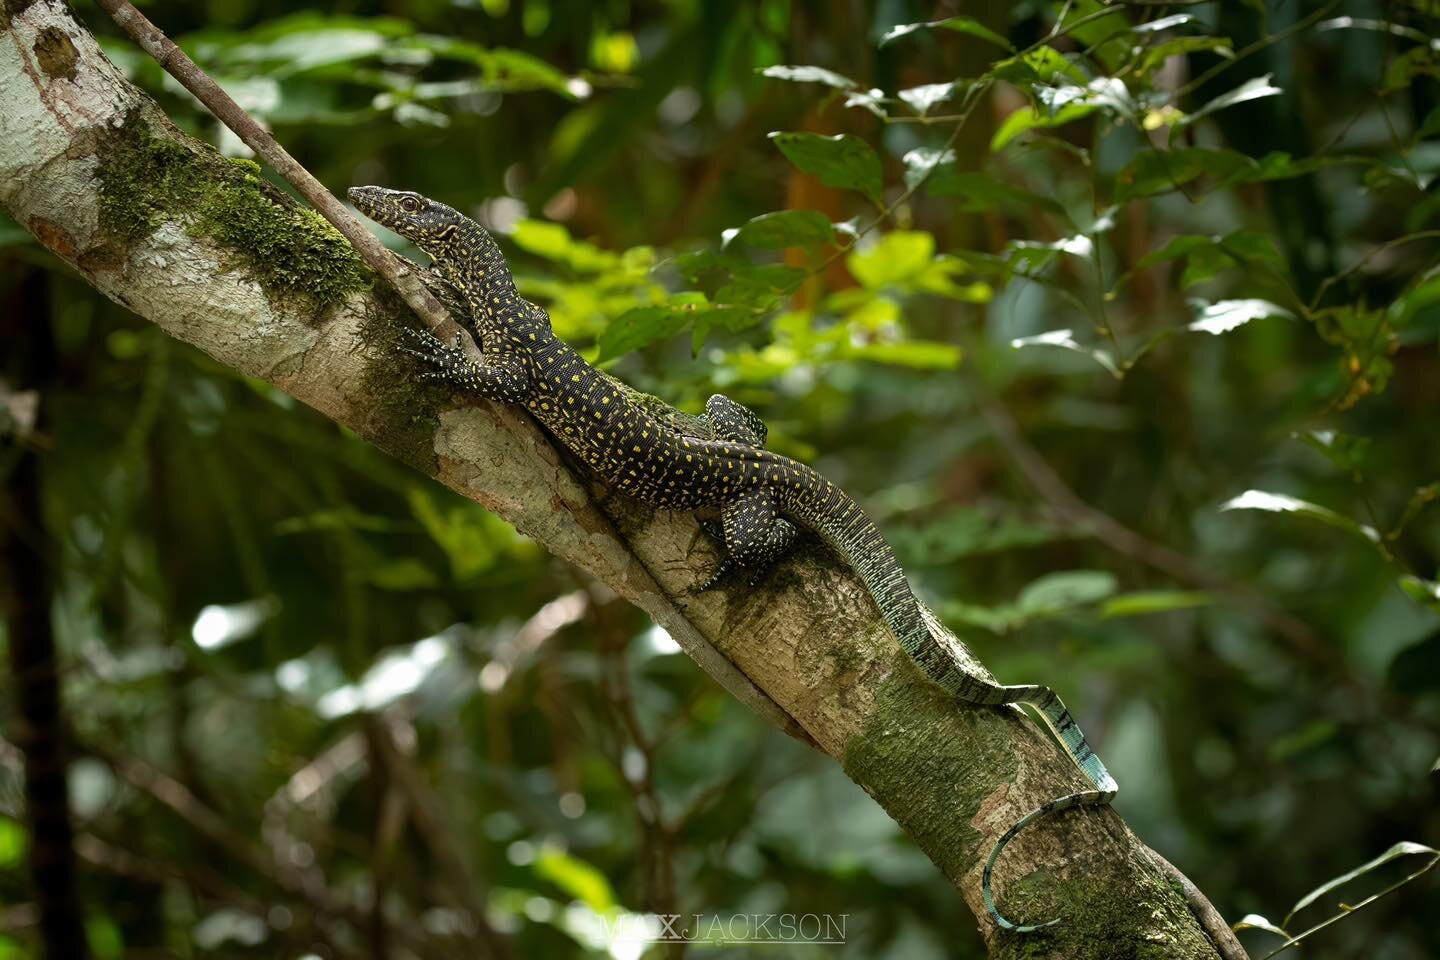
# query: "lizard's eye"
409,204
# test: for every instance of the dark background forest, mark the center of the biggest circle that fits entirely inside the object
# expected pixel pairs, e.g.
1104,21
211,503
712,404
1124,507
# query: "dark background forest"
1127,337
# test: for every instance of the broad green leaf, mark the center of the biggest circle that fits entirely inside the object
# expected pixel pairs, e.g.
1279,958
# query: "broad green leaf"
1225,315
577,878
922,163
807,74
759,285
927,95
401,574
1422,591
839,161
966,25
13,841
784,228
1065,590
553,242
980,192
1155,56
1153,601
1028,118
1108,93
1404,848
1281,503
919,354
897,257
1043,65
1066,339
1252,89
638,328
1160,171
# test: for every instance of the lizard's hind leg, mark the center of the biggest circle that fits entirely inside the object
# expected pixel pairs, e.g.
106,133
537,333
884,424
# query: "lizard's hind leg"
755,535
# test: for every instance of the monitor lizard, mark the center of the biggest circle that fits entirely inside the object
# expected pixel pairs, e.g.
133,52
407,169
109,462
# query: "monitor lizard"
763,498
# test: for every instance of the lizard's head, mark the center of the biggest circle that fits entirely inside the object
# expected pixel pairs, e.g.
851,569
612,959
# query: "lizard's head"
428,224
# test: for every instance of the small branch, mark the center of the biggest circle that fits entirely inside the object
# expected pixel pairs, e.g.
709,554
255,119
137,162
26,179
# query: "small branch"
1224,939
397,272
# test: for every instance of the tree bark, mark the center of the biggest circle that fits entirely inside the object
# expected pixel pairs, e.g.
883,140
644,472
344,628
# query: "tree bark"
161,224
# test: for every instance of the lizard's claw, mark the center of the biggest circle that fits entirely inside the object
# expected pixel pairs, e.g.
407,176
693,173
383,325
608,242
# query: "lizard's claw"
722,572
434,351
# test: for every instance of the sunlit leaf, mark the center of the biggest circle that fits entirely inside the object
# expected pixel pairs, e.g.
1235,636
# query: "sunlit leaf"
895,258
1065,590
1028,118
13,841
1225,315
1066,339
839,161
966,25
1252,89
553,242
577,878
784,228
1162,23
1153,601
1281,503
1253,921
927,95
920,354
808,74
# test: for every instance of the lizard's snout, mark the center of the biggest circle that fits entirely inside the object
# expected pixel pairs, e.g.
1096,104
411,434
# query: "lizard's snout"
366,199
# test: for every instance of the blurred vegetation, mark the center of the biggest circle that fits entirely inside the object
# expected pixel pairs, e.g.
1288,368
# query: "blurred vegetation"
1122,321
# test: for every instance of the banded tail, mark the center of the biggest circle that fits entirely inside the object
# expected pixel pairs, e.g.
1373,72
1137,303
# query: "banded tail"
840,522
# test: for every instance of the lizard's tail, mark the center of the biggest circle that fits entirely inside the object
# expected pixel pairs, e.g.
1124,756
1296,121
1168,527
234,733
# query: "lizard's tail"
839,521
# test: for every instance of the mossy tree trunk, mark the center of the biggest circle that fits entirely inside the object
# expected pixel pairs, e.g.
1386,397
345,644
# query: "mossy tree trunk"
201,246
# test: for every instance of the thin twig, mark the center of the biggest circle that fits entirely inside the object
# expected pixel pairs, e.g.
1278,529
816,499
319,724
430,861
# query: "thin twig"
397,272
1076,513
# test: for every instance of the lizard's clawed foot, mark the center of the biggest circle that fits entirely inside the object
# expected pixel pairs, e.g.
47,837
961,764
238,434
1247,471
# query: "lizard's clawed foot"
450,359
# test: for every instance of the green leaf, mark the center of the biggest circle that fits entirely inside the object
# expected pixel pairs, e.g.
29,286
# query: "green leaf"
927,95
553,242
1225,315
577,878
980,192
918,354
807,74
1161,171
1253,921
638,328
1281,503
1404,848
784,228
839,161
1252,89
1153,601
1028,118
1155,56
897,257
1055,592
1066,339
13,842
965,25
401,574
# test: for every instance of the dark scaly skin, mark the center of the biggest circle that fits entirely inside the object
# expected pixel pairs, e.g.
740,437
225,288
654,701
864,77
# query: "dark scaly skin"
763,497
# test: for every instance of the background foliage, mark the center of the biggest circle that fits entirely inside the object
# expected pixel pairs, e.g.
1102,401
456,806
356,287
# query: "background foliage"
1122,321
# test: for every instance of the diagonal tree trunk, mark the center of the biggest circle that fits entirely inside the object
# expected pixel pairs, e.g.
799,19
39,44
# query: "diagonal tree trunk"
199,245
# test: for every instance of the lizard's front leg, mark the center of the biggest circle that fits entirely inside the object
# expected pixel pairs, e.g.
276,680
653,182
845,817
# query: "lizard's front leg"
498,378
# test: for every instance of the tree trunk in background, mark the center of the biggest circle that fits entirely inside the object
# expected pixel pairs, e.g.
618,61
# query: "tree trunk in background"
806,649
27,589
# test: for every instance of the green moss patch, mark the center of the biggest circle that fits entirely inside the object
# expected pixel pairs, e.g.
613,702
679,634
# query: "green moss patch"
149,176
